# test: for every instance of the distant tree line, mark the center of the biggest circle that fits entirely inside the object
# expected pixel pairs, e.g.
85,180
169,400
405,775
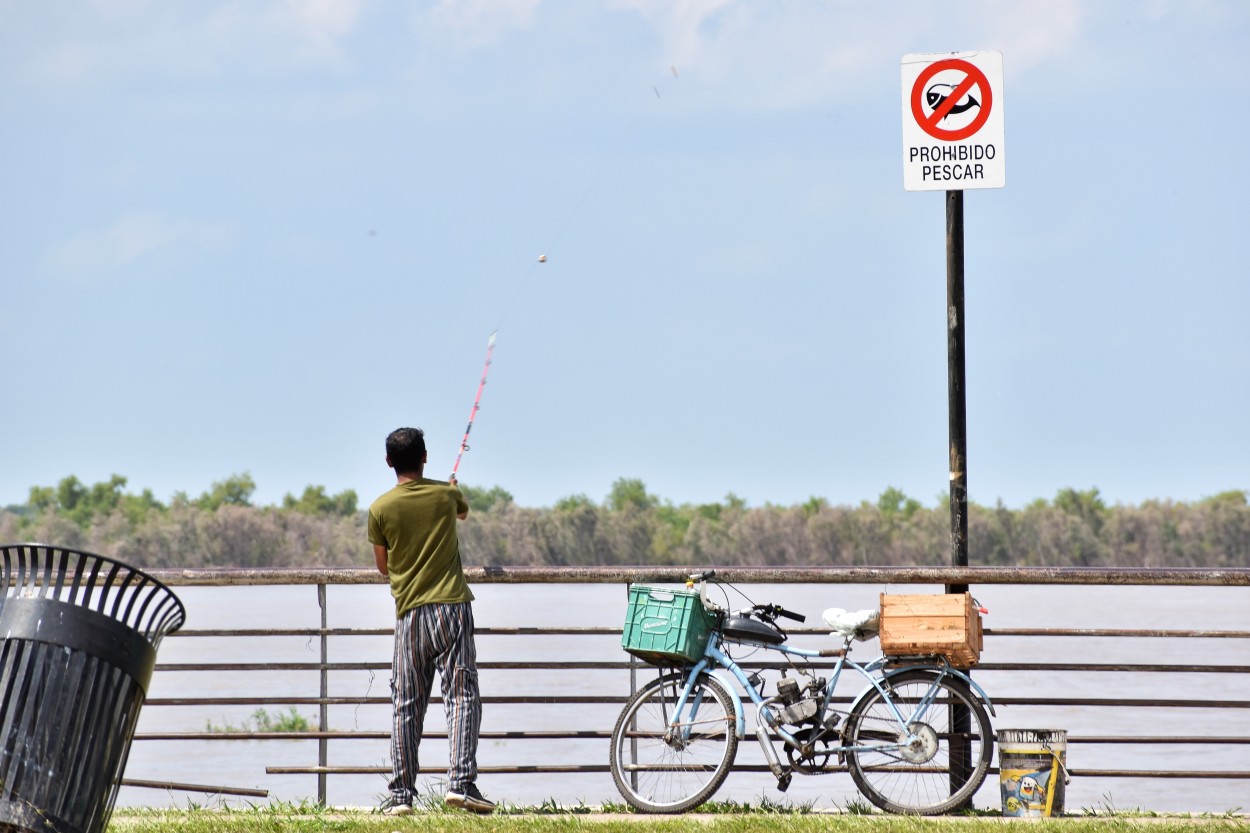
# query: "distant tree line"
222,528
1077,528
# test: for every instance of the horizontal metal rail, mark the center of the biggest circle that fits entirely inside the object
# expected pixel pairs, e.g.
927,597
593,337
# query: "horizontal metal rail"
210,789
496,631
555,769
499,665
570,734
588,700
599,734
1192,577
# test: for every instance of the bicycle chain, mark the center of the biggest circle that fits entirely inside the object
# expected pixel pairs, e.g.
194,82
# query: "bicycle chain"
801,765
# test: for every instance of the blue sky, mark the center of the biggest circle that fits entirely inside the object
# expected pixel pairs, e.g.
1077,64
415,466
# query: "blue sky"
256,236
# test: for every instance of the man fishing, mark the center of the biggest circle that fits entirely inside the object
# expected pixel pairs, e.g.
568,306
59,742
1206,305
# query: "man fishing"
413,531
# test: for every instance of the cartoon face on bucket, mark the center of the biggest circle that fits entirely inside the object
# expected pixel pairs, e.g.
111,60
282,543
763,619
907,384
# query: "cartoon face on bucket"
1025,793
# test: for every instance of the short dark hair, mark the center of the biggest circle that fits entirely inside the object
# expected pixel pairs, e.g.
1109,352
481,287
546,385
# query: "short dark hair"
405,450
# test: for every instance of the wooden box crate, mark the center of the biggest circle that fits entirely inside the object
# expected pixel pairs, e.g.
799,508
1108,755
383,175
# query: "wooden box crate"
947,625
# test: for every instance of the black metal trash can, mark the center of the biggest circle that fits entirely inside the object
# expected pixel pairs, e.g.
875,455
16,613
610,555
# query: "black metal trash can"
80,633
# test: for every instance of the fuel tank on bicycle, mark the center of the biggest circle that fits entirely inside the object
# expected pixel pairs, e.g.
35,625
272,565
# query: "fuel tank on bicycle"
743,627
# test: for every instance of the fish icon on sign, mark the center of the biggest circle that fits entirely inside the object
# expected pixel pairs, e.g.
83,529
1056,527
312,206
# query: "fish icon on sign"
937,93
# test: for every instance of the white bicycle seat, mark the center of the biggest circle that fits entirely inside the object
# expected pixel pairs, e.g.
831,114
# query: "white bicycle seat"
861,624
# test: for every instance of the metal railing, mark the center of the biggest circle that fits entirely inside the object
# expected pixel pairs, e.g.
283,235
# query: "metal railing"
1178,733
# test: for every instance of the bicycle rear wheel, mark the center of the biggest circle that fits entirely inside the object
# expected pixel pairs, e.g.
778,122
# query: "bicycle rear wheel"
931,775
662,766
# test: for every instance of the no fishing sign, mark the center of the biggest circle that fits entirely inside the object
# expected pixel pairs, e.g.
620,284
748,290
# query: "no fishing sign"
953,121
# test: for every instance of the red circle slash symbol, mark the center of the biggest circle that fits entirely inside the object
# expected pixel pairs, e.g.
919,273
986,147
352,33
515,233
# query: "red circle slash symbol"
973,77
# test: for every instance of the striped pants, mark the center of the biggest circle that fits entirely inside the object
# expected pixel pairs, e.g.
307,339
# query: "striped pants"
428,637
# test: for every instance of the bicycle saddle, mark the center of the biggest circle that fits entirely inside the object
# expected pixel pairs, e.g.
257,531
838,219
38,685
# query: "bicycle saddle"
861,624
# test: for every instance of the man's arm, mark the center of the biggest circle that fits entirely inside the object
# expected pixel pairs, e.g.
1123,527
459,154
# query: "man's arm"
379,557
460,501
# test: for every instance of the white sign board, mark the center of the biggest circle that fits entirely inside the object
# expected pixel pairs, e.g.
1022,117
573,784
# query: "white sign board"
953,121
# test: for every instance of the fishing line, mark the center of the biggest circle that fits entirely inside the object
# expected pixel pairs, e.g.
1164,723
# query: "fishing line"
609,157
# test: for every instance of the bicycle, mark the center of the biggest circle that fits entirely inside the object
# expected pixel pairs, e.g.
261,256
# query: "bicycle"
915,740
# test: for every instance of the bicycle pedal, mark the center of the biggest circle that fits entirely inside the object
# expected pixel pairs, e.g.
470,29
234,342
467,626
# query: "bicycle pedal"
783,783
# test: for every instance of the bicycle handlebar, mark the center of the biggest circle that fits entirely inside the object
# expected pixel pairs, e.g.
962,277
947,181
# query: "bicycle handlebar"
771,612
778,610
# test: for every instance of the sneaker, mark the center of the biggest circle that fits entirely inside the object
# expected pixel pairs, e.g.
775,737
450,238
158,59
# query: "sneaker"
470,799
393,806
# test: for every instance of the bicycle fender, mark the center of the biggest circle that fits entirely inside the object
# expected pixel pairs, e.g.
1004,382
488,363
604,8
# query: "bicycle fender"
726,673
704,667
954,672
740,717
976,689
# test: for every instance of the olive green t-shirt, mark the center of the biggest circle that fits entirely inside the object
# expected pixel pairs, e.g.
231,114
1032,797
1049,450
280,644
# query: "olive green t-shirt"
416,522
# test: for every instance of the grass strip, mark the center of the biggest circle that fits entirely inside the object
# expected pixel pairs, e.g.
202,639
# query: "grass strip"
548,819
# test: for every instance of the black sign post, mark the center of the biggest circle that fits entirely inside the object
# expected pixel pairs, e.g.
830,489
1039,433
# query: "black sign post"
955,391
960,720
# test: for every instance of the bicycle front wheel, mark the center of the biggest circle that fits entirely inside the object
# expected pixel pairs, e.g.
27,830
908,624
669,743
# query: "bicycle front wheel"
935,762
662,764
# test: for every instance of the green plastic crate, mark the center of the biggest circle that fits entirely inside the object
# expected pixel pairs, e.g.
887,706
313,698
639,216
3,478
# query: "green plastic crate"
664,626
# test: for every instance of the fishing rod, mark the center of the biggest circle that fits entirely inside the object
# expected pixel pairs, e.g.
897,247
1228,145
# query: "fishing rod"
477,404
477,400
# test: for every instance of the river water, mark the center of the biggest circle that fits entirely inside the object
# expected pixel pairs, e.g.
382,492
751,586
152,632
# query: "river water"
243,763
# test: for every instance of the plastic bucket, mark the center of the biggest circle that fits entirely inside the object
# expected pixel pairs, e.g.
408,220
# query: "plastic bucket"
1032,771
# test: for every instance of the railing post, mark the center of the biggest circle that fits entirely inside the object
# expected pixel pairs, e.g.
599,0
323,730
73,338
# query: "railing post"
633,726
324,722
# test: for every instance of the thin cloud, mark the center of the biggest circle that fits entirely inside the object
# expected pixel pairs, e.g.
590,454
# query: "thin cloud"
831,48
117,39
320,25
478,22
133,237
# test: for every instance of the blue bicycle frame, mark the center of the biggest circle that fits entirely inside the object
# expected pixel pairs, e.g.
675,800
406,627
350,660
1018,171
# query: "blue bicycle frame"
714,657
